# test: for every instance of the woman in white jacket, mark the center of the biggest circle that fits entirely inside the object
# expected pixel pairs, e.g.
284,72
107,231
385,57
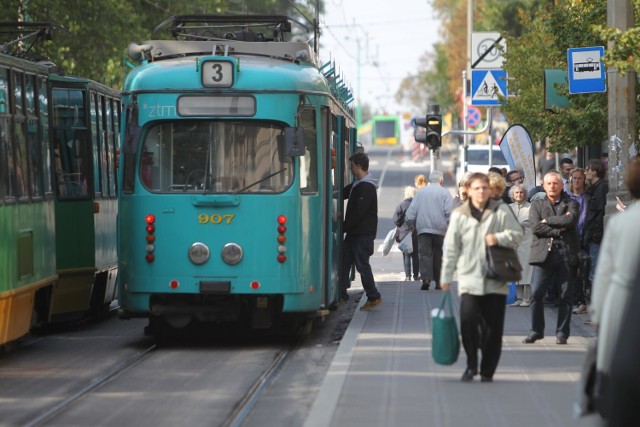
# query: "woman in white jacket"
479,222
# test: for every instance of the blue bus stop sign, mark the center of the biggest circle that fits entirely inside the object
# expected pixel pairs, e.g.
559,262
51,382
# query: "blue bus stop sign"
586,70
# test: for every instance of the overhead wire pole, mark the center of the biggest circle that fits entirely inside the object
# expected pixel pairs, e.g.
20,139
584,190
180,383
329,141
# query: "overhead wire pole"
622,110
466,75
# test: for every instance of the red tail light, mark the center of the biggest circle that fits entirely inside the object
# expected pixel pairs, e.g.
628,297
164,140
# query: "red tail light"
150,238
281,239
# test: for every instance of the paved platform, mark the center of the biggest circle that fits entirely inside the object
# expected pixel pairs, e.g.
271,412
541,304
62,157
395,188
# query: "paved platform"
383,373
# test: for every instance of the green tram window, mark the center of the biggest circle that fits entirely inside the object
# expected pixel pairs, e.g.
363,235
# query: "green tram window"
71,143
5,166
33,138
20,142
43,119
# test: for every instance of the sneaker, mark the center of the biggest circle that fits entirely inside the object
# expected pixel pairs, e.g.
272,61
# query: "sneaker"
370,304
425,285
581,309
525,304
515,304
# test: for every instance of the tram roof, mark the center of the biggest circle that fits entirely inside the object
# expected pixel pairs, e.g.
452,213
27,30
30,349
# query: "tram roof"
291,51
255,74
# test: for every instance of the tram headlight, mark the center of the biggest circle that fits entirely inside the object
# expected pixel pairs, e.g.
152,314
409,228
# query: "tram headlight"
199,253
232,253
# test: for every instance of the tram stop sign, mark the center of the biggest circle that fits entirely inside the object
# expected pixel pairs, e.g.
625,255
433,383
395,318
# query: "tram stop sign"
586,70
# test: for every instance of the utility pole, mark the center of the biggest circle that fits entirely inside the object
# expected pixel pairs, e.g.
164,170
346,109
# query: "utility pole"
622,111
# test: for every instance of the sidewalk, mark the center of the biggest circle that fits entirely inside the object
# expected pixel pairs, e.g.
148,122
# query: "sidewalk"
383,373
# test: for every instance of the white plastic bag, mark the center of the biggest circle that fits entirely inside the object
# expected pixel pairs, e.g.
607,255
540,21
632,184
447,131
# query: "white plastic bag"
389,241
406,246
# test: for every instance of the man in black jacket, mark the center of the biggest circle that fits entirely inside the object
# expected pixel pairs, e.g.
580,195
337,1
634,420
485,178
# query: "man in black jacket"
554,250
360,226
594,221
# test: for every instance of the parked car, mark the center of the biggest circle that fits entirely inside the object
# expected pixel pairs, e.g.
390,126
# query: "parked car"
478,160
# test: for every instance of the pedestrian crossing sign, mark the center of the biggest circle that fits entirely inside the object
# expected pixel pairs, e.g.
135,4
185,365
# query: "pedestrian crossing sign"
487,86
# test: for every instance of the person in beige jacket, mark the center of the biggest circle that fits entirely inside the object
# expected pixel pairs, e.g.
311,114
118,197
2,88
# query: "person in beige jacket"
479,222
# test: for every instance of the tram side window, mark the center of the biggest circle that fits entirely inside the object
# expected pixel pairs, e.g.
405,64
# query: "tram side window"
110,144
71,143
43,114
20,146
334,145
214,157
95,117
5,166
34,145
309,163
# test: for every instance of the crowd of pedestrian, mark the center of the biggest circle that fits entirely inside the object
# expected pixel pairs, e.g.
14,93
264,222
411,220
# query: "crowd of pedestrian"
557,229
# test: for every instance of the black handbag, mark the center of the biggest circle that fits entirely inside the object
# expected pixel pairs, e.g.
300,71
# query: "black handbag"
502,264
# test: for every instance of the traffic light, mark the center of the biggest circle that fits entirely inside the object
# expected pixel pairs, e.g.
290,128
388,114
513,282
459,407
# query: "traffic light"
434,131
429,130
420,131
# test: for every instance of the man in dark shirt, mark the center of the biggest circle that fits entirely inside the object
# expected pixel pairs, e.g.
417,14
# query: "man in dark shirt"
360,226
593,229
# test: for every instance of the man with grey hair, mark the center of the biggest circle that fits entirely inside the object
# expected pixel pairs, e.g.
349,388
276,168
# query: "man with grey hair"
429,215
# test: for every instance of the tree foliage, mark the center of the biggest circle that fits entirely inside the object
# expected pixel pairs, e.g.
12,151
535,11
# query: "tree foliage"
101,30
543,45
538,34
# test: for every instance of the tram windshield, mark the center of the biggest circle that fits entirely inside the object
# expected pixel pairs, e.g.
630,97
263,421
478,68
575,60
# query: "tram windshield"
215,157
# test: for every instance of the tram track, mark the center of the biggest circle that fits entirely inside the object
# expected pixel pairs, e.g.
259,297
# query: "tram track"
243,408
95,383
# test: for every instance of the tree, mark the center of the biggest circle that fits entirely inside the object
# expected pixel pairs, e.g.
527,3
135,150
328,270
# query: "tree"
543,45
623,51
101,30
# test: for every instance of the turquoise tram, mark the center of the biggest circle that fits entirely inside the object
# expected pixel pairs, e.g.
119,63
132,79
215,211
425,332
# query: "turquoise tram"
58,202
235,148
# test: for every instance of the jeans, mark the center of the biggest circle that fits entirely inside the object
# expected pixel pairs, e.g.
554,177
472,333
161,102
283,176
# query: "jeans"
594,250
556,269
412,258
357,250
430,250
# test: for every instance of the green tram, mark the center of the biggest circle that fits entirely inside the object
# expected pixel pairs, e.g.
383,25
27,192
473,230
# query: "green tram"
58,202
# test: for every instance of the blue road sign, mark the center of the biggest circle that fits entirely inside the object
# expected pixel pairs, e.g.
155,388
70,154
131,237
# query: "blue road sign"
487,86
586,71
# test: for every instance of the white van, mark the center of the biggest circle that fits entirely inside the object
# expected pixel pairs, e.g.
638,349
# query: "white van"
478,160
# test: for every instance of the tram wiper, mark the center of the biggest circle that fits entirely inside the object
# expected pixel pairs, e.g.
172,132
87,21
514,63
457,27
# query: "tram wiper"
261,180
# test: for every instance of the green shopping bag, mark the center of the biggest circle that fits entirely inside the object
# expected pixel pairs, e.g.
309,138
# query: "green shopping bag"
444,330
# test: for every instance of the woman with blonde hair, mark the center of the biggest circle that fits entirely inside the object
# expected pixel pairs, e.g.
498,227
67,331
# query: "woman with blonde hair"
497,184
420,181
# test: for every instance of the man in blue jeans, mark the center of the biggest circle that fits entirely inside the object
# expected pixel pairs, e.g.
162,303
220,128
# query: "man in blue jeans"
360,226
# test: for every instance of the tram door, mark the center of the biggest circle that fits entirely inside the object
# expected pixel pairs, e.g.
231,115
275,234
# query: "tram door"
339,140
